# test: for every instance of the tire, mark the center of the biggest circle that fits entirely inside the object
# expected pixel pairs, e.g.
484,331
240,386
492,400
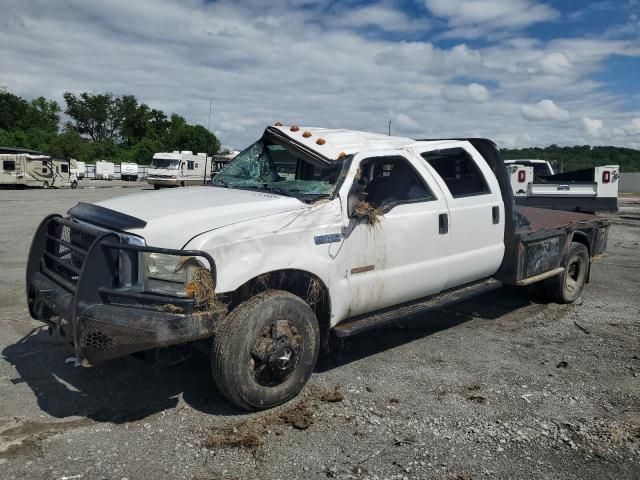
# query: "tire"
265,351
156,187
566,287
45,184
183,184
74,185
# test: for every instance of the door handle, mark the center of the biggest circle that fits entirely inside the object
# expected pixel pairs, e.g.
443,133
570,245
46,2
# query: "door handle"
443,223
495,214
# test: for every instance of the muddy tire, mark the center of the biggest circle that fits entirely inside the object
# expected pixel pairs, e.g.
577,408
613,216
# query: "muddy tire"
566,287
265,350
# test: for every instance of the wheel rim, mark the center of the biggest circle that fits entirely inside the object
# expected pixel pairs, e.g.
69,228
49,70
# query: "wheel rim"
575,274
275,353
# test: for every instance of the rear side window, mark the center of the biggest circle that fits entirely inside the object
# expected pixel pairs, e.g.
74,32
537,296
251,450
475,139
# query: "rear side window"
64,168
459,172
190,164
9,165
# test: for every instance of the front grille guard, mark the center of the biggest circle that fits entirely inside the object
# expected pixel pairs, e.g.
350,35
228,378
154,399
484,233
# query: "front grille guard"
86,262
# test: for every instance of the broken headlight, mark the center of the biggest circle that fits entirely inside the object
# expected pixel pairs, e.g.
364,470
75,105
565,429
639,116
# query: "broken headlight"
178,276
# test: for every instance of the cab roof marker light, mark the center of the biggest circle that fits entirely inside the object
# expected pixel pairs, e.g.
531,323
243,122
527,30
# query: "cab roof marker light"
277,124
306,134
294,128
320,141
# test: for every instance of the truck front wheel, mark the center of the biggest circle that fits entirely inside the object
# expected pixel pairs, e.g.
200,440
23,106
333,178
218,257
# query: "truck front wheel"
265,350
566,287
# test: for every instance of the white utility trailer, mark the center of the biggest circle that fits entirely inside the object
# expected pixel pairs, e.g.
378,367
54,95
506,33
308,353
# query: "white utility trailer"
104,170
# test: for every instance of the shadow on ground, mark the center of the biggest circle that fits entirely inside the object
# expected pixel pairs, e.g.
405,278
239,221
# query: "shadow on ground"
132,388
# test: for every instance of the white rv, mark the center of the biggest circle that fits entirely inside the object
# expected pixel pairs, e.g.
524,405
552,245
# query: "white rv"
178,169
128,171
104,170
80,170
36,170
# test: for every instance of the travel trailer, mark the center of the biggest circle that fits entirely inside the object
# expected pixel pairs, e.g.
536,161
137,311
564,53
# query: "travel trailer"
128,171
178,169
80,170
104,170
36,170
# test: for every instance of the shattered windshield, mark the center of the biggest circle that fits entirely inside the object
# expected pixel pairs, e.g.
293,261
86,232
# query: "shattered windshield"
269,166
165,163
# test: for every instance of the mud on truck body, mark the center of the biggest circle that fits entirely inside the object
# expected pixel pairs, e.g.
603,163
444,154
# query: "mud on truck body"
306,232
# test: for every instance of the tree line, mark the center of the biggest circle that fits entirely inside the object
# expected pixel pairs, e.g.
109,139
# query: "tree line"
579,157
99,126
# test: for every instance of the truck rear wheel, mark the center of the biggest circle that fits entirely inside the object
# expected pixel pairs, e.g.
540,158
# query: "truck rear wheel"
265,351
566,287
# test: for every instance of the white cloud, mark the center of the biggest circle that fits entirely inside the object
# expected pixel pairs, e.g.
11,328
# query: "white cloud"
297,62
632,128
379,16
473,18
544,110
473,92
593,126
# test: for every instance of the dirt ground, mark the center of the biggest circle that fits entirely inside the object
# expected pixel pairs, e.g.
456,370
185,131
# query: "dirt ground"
495,387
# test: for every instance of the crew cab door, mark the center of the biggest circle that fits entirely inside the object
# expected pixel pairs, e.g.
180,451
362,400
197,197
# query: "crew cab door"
399,252
476,210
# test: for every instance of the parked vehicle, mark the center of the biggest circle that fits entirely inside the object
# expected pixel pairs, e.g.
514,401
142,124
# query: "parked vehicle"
36,170
305,232
588,190
541,168
178,169
129,171
80,169
104,170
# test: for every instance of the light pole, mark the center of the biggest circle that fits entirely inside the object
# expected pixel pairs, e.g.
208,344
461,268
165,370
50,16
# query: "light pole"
206,153
389,127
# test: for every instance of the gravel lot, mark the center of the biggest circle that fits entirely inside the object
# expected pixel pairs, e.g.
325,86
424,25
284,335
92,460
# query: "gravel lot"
495,387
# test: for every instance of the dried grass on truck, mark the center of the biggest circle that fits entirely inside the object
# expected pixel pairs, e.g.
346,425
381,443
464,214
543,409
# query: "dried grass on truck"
367,211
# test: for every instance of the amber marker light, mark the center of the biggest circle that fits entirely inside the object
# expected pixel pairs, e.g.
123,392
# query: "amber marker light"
306,134
294,128
321,141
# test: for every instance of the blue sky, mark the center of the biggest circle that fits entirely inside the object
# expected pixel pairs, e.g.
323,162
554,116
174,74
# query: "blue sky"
523,72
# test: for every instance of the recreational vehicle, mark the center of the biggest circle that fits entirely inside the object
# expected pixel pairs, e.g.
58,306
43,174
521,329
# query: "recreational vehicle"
128,171
178,169
36,170
104,170
80,170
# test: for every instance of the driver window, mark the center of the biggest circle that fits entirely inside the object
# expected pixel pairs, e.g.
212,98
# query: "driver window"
390,181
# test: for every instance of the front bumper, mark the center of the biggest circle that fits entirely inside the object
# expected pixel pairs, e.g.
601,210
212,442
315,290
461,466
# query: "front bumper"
165,182
76,284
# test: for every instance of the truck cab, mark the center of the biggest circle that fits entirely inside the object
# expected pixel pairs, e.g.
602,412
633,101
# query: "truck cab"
307,232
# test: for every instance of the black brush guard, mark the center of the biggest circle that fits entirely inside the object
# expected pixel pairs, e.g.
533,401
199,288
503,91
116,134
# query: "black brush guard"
85,284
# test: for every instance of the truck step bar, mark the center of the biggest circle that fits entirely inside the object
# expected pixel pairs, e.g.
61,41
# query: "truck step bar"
356,325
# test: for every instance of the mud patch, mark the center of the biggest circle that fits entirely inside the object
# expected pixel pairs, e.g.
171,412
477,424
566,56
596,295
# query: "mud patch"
251,434
24,439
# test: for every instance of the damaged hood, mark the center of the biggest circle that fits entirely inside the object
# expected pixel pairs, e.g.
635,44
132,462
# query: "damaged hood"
170,218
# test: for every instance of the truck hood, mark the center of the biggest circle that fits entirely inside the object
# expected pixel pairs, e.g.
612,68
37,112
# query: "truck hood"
174,216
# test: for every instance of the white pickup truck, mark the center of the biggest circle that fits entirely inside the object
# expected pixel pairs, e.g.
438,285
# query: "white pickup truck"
306,232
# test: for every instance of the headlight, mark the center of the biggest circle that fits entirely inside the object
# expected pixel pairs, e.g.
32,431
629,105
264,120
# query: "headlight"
179,276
